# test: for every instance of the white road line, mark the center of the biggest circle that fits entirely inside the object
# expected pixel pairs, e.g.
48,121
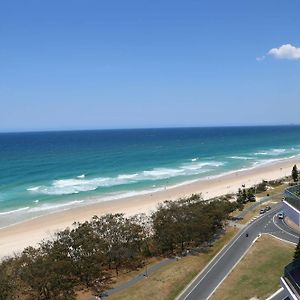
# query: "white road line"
206,267
278,238
283,229
233,267
207,271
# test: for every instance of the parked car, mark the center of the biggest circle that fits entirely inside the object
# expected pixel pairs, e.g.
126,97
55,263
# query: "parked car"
268,208
280,215
262,211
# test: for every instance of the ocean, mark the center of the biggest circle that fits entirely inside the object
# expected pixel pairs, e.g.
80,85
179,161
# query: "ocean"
46,172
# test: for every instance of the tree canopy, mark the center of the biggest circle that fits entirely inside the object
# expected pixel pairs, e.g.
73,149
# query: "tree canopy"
89,253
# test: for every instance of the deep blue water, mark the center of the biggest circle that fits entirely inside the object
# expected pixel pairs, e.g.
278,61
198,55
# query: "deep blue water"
48,171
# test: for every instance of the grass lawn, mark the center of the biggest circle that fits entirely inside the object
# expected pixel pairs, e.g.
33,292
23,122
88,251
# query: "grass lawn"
258,274
123,277
168,282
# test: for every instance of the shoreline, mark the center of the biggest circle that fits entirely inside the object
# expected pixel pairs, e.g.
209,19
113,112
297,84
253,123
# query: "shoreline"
14,238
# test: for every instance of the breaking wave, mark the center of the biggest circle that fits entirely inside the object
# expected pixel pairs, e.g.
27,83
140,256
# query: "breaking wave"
45,207
77,185
14,211
271,152
241,157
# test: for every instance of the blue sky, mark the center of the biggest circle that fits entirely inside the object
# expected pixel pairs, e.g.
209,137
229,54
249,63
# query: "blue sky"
128,64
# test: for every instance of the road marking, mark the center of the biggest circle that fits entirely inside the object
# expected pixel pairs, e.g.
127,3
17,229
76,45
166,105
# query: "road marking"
278,238
233,267
202,271
207,271
233,242
283,229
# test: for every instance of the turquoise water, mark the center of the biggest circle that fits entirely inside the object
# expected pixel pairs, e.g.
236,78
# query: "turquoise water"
41,173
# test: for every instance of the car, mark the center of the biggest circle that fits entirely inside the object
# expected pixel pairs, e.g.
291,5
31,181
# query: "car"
262,211
268,208
280,215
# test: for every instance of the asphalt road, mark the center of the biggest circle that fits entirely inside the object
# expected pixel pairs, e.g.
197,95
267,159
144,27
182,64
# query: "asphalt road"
217,270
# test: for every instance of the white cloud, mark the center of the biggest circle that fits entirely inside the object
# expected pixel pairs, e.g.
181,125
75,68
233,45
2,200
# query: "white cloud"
260,58
287,51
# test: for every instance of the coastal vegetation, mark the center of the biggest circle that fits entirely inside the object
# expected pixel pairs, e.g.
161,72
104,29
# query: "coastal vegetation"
167,282
295,173
90,253
246,195
297,251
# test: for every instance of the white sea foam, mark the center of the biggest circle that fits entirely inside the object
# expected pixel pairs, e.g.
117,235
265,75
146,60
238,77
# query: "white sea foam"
279,150
271,152
241,157
121,195
45,207
194,159
14,211
128,176
267,161
81,176
33,189
77,185
161,173
200,167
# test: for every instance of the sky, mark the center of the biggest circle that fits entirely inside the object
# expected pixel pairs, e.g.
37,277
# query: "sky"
96,64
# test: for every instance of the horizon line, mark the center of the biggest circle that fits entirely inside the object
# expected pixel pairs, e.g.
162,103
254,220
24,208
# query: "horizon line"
145,128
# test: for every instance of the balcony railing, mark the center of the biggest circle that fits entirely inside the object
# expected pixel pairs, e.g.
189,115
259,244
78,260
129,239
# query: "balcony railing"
291,197
292,273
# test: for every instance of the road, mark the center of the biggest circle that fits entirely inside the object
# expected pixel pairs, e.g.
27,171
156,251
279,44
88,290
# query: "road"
217,270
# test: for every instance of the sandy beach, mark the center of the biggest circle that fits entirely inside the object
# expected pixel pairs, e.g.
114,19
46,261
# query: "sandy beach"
13,239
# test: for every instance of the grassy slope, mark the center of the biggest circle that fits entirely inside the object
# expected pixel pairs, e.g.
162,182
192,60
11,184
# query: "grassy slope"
258,273
167,282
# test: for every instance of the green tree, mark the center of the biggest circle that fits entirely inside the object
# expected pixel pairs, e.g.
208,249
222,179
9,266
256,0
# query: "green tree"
8,279
242,196
47,274
122,240
86,253
251,195
295,173
297,251
262,186
187,223
239,196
